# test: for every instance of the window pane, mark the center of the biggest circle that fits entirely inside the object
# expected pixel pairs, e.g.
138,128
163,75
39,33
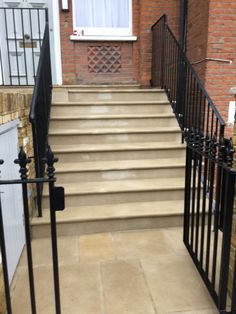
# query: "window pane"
102,13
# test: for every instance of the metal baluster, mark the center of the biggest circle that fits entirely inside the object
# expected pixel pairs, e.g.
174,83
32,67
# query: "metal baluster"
221,146
50,160
213,145
199,188
4,259
227,230
23,36
15,39
8,50
194,169
206,154
1,65
32,46
23,161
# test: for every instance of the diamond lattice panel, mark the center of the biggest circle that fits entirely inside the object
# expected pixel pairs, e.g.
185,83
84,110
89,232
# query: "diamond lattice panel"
104,59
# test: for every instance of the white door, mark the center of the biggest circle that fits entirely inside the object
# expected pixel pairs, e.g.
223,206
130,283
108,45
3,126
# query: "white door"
11,196
21,39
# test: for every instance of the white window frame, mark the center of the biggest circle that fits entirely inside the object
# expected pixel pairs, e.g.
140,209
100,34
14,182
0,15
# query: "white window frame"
102,33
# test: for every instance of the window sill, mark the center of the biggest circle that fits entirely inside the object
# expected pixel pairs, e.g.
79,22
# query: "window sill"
103,38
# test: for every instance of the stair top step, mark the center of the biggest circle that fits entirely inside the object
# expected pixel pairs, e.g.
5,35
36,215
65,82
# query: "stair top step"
96,102
115,130
114,211
107,117
117,147
120,165
96,86
110,90
119,186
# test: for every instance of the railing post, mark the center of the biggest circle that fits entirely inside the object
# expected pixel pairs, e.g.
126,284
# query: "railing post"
50,160
226,241
181,84
163,40
4,260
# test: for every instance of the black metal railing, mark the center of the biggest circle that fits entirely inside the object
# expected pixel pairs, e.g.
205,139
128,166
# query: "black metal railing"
56,202
21,40
40,111
210,179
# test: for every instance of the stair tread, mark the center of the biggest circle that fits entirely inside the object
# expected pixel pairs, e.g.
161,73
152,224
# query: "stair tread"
107,117
120,165
102,86
117,146
97,102
130,90
119,186
115,130
115,211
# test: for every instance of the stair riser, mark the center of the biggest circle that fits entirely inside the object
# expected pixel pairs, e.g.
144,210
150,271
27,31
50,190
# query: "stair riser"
122,197
94,176
63,110
111,225
111,123
121,155
114,138
116,96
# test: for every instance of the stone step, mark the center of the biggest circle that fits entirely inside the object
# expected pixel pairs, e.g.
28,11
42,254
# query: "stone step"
121,191
111,121
61,92
111,217
110,94
118,151
122,170
119,87
114,135
85,108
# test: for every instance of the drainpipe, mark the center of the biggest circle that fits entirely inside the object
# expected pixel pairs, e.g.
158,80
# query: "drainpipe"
182,23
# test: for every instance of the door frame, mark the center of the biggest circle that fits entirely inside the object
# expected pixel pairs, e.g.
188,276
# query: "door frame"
55,39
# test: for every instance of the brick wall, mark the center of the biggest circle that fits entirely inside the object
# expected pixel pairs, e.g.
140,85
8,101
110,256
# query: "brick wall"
197,33
221,44
211,34
79,59
233,238
134,64
150,12
14,104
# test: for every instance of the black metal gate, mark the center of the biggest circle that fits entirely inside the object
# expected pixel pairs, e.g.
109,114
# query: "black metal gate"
21,40
210,178
56,202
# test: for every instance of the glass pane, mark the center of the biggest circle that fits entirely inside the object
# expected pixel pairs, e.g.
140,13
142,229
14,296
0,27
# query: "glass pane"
102,13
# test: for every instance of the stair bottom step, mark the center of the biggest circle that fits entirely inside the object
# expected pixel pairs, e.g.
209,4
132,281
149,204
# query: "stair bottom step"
108,218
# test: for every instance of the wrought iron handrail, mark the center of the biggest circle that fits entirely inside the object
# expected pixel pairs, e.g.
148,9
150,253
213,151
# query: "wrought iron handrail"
172,70
209,176
40,112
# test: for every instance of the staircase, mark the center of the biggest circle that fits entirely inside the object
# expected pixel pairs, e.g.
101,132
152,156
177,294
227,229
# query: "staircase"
121,160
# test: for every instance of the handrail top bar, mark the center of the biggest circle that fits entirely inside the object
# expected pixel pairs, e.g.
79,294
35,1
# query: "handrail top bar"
40,65
164,16
199,81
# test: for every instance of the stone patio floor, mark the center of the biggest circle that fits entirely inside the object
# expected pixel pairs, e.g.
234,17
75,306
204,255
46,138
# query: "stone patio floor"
134,272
